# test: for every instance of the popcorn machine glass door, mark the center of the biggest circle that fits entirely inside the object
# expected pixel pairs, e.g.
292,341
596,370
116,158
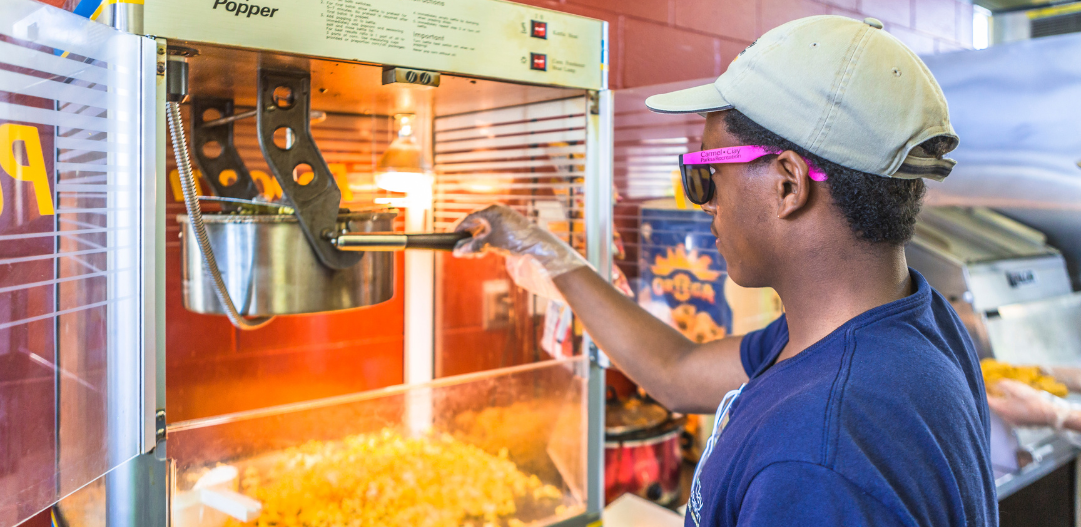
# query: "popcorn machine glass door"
505,448
75,262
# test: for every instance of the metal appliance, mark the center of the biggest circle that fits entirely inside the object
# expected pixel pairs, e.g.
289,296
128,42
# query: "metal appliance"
304,257
269,268
1012,291
642,449
526,122
1016,107
981,260
446,74
1023,159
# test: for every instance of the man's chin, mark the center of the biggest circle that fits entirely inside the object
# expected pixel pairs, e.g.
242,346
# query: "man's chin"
748,280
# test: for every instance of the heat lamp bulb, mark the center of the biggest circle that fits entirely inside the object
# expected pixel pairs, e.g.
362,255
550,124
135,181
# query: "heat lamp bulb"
402,168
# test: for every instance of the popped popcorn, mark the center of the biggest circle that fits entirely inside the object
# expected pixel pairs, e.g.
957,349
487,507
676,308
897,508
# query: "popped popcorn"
387,479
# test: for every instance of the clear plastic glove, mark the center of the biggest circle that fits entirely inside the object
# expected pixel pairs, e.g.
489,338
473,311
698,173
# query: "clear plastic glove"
1022,405
534,255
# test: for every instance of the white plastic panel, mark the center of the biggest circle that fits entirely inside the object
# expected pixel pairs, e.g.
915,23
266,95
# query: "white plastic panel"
72,193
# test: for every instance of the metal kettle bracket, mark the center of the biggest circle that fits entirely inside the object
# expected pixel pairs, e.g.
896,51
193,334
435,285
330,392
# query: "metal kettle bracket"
316,202
229,158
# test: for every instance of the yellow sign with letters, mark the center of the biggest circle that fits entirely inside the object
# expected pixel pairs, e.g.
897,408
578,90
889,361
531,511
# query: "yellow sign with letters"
22,159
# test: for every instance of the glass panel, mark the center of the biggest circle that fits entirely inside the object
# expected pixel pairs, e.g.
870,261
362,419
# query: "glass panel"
84,507
505,448
529,157
69,278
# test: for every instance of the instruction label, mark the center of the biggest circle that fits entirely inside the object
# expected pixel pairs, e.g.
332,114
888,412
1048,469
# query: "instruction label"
486,38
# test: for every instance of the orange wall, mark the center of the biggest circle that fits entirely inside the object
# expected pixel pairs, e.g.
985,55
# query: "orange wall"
213,368
657,41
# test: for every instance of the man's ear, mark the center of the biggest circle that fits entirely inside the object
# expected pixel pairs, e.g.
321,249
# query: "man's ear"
793,185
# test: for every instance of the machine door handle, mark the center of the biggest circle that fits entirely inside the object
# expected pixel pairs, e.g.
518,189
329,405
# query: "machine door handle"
391,241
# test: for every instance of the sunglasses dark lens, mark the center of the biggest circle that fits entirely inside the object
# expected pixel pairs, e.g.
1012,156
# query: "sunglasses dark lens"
697,183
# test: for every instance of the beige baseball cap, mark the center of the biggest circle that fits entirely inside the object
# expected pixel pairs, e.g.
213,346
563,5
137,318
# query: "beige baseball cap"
844,90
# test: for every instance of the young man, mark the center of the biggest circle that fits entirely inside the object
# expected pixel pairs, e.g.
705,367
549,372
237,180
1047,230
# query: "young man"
863,404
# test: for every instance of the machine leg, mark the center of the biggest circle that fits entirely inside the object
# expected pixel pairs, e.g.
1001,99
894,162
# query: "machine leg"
137,493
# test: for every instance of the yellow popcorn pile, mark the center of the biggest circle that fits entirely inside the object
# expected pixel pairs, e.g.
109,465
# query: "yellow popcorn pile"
386,479
994,371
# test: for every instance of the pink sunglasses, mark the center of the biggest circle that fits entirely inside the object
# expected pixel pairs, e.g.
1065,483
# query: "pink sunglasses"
698,178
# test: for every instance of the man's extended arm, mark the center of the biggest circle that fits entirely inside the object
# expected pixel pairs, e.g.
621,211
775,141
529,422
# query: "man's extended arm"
682,375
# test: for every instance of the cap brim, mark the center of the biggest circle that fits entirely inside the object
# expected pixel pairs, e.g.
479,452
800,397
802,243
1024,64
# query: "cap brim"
919,164
700,100
924,167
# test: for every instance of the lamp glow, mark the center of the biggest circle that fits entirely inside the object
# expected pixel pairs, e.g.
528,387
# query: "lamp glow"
402,168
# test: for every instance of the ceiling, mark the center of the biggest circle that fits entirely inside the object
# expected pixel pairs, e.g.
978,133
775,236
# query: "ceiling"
1009,5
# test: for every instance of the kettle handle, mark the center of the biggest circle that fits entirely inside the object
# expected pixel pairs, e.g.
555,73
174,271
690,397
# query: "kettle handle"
436,241
390,241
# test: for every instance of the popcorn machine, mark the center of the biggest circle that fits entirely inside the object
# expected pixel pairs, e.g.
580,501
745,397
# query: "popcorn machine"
282,155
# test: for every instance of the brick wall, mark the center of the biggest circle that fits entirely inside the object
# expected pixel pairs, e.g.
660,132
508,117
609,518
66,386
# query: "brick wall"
656,41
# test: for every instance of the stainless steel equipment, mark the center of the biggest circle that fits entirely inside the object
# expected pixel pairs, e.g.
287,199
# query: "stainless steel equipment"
981,260
260,254
1012,291
270,269
547,140
1016,108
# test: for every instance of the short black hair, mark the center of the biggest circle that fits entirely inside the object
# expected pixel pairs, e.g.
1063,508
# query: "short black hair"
878,209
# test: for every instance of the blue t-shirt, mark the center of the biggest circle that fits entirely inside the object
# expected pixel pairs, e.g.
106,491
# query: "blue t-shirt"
882,422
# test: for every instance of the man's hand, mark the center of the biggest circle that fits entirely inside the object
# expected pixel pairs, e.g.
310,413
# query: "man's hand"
1021,405
534,255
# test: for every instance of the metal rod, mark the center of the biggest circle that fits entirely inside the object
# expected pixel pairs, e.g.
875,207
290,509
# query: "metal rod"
390,241
370,242
598,226
316,116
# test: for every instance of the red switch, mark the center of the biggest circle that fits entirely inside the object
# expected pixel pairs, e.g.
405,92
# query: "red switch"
539,61
540,29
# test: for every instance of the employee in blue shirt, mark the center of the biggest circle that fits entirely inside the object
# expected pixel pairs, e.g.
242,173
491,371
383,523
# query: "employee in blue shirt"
863,404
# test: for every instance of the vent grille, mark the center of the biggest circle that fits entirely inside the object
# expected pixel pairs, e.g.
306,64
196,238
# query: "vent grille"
1056,25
